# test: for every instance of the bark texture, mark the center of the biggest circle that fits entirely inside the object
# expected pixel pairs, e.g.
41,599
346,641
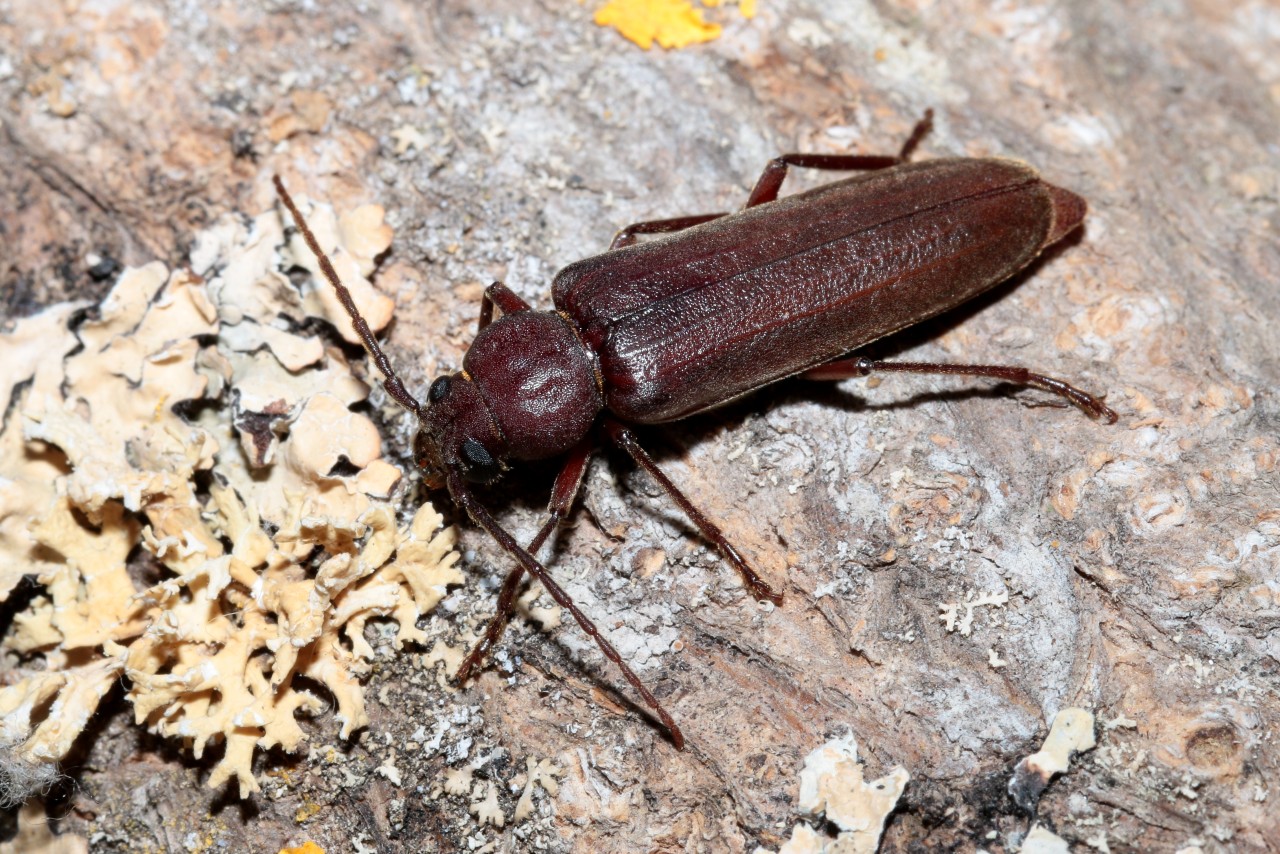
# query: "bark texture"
1141,561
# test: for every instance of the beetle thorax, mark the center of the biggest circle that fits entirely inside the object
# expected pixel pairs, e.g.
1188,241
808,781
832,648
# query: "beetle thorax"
528,390
538,381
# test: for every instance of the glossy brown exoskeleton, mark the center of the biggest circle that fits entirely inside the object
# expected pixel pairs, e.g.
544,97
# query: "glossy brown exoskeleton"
724,304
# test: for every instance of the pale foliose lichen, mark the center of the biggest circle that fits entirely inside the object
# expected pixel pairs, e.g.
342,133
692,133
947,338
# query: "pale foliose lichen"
543,773
198,512
832,786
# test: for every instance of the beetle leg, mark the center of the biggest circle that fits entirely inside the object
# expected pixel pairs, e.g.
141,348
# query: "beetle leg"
504,298
918,133
860,367
568,483
766,189
462,494
621,436
627,236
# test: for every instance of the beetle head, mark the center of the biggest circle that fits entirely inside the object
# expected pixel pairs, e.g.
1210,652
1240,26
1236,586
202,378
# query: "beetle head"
458,433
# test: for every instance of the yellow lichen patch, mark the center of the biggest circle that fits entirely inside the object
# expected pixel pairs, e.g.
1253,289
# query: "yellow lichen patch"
308,811
214,559
671,23
307,847
747,7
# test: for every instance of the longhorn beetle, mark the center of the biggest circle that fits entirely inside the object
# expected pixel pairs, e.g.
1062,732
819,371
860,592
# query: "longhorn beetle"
719,306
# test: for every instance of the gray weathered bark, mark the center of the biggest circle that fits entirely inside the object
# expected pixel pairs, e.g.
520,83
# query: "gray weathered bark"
1141,561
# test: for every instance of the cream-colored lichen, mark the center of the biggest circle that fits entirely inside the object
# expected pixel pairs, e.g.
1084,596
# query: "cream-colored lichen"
1041,840
457,781
547,617
1071,733
540,772
832,786
485,807
213,554
951,610
31,353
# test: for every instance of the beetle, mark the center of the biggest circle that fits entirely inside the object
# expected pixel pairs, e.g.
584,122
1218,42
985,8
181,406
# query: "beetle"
714,307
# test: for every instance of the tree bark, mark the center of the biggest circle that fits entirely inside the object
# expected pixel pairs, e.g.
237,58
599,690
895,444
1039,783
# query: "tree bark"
1141,561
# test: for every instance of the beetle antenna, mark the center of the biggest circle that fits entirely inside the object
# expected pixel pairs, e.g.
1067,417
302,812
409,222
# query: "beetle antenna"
395,388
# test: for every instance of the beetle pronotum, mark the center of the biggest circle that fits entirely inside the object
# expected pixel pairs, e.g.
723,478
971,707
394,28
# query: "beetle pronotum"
716,307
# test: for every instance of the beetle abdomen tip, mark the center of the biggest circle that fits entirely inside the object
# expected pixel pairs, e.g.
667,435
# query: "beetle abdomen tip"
1068,212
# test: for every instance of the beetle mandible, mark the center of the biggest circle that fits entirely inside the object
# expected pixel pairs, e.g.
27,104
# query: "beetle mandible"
717,306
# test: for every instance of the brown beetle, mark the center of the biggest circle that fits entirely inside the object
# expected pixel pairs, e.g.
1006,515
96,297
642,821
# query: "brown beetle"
718,307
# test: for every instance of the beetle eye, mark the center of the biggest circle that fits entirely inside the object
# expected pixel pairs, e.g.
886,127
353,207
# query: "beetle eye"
480,463
438,389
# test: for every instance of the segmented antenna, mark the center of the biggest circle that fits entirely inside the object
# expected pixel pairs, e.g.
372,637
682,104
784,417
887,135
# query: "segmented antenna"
392,384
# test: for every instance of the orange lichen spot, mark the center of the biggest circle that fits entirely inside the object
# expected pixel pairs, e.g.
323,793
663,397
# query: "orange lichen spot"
307,811
307,847
671,23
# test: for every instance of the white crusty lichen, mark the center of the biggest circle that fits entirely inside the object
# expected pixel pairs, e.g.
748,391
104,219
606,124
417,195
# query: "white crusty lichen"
201,512
951,610
832,786
1041,840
